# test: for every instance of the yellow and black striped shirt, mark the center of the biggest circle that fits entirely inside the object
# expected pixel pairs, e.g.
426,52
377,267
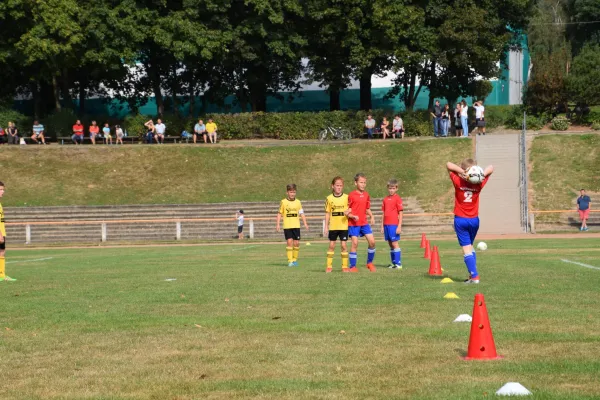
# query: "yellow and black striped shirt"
2,228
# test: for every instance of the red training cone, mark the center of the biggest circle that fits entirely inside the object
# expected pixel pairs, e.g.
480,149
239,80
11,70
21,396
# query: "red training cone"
435,269
481,340
423,240
427,254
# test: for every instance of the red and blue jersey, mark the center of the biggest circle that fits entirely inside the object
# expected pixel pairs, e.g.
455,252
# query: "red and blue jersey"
391,207
359,203
466,196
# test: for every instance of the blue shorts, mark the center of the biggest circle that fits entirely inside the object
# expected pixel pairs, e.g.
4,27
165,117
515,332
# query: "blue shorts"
389,232
360,230
466,230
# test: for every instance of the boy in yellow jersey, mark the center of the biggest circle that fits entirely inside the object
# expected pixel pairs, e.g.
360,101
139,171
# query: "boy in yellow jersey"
336,222
3,276
290,209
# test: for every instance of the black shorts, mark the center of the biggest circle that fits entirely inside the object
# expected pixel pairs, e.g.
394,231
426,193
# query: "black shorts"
335,235
3,244
480,123
240,228
293,233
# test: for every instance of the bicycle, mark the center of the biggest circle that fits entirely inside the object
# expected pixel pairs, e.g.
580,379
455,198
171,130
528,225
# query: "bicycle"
331,133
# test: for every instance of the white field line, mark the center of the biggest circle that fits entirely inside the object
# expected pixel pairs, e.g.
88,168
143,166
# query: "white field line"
26,261
580,264
244,248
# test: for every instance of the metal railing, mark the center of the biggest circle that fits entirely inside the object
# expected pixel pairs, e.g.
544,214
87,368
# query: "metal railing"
523,178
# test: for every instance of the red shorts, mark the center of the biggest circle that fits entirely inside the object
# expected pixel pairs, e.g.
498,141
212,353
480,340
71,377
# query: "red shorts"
584,214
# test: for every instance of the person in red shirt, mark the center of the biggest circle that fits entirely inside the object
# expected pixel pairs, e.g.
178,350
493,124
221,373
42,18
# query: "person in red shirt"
94,130
359,206
77,133
391,224
466,211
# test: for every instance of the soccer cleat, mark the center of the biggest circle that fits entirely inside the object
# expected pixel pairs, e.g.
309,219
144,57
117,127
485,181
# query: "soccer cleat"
291,264
328,270
471,281
371,267
586,229
352,269
345,270
398,266
295,264
391,266
8,279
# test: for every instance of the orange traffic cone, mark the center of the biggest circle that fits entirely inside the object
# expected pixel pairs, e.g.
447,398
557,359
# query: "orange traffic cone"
435,269
423,240
481,340
427,254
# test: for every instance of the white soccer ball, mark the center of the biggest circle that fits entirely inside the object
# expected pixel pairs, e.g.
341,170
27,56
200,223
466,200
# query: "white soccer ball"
482,246
475,174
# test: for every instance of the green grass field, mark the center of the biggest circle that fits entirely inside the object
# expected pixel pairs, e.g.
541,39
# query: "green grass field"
237,323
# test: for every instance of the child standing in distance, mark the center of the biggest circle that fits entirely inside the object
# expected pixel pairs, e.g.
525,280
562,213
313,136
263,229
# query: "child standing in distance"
359,203
240,222
3,276
391,224
466,211
336,222
290,209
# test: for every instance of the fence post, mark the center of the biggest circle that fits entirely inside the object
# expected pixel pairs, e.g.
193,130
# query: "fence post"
27,234
178,230
531,222
251,229
323,230
104,232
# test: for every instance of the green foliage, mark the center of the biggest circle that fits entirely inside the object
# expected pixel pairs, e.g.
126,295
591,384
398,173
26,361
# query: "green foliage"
22,122
559,123
596,125
60,123
481,89
135,124
584,81
496,116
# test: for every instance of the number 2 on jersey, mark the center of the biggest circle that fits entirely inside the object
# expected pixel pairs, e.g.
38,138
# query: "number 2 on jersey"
468,196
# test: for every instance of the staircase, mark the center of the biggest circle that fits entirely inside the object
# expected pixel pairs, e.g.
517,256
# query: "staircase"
223,226
499,202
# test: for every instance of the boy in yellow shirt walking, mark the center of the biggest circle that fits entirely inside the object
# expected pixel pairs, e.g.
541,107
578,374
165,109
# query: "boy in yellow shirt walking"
290,210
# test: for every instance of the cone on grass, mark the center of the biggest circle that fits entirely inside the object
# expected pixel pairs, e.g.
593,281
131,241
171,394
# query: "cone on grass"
423,241
427,254
435,269
481,340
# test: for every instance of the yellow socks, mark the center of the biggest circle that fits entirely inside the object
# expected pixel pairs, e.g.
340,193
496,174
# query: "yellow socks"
295,253
330,259
2,268
290,255
344,260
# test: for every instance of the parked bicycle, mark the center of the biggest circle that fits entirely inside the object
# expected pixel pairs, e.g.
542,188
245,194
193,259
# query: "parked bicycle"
331,133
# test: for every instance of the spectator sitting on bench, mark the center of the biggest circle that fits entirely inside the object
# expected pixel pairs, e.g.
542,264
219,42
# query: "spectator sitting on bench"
200,129
13,133
160,129
3,135
150,134
370,126
397,127
211,129
106,134
77,137
38,133
94,131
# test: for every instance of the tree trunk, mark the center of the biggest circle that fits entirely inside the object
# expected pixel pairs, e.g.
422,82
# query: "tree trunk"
35,94
56,90
65,85
410,96
334,99
82,96
192,95
366,102
432,84
258,97
174,90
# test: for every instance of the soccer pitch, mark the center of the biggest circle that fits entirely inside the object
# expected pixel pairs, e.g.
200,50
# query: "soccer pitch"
233,321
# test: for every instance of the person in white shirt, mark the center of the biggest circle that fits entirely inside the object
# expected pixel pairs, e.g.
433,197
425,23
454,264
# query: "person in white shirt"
240,223
398,127
479,117
200,129
370,126
160,129
464,118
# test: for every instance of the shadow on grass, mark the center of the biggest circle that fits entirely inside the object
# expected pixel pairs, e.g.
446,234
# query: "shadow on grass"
461,352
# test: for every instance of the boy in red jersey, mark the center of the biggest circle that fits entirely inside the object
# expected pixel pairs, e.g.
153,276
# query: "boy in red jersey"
359,205
391,224
466,211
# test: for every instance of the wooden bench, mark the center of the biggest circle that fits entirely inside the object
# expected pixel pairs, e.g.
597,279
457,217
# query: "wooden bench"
376,132
99,141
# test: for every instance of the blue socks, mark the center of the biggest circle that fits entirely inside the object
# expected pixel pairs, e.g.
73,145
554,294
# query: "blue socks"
396,256
471,263
352,257
370,255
